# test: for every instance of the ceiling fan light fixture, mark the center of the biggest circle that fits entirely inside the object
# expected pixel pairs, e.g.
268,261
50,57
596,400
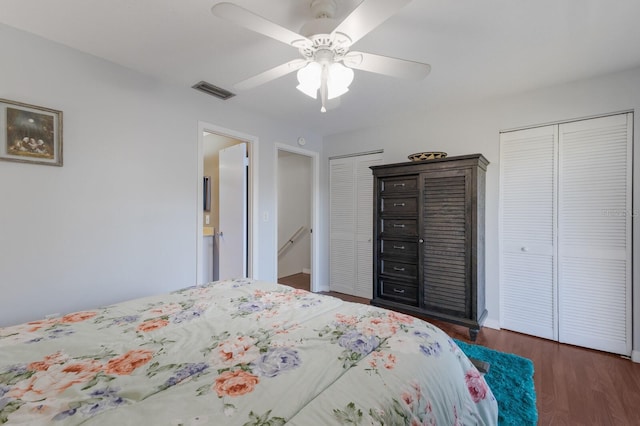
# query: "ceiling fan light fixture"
309,78
340,77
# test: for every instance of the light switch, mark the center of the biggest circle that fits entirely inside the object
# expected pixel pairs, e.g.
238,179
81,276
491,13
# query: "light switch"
206,219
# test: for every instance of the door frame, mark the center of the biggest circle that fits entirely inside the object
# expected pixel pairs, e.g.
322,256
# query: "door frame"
252,191
315,205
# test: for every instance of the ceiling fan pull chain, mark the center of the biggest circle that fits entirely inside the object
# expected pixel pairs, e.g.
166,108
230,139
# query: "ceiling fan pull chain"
323,86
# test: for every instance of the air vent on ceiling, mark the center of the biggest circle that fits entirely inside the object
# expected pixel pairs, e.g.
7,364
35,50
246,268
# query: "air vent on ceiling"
216,91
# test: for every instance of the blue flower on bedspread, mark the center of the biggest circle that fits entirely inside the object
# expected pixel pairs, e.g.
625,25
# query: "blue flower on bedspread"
422,334
185,316
123,320
428,346
433,349
253,306
275,361
358,342
100,400
188,371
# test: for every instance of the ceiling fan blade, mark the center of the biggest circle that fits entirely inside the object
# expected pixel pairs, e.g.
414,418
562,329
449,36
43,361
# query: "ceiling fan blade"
272,74
247,19
367,16
386,65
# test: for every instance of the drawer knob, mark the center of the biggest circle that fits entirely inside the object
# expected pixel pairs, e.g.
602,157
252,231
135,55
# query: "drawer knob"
395,268
395,290
398,225
421,241
398,185
398,204
398,247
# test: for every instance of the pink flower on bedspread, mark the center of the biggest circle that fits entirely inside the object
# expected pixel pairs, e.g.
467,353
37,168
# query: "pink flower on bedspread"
235,383
476,385
37,325
77,317
152,324
401,318
240,350
125,364
48,361
347,319
168,309
380,327
56,378
387,360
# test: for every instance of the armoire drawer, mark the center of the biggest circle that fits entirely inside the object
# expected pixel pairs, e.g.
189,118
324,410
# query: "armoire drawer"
399,227
394,248
400,269
404,205
402,292
399,185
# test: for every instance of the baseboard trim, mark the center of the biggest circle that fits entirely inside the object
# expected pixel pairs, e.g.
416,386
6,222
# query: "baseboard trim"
489,323
306,271
635,356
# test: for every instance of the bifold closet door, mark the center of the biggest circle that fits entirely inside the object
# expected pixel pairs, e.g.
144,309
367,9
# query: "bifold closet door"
528,193
351,224
594,233
566,232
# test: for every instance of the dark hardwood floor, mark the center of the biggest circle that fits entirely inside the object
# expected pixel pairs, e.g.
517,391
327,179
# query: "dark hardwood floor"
574,386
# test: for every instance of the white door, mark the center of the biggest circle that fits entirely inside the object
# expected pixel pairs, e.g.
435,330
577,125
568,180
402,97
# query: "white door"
364,224
351,224
341,225
528,275
594,233
232,235
566,232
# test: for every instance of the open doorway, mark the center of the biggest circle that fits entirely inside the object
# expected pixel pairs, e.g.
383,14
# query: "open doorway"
297,184
225,208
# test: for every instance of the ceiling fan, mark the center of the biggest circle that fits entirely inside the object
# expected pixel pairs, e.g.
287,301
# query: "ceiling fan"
327,63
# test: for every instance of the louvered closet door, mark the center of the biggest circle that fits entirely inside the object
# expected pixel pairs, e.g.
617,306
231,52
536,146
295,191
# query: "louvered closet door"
528,160
351,224
445,230
594,239
364,224
342,189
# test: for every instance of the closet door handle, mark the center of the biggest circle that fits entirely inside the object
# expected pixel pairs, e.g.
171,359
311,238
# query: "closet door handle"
396,225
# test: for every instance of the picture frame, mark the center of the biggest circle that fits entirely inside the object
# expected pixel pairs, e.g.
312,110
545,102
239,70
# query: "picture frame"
30,133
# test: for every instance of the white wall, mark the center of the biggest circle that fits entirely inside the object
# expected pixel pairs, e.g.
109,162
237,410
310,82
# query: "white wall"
294,211
118,220
467,129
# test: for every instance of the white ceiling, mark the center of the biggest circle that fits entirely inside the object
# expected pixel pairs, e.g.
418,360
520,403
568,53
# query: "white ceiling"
477,48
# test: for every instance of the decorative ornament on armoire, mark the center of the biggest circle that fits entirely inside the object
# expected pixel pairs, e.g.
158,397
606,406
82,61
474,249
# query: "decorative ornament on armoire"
427,155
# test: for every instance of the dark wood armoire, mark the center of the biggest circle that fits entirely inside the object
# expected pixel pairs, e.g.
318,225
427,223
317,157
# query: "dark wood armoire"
429,239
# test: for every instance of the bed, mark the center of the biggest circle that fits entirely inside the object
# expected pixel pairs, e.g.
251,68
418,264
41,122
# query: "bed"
238,352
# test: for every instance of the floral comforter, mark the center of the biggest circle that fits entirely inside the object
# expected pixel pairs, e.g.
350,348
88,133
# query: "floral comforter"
238,352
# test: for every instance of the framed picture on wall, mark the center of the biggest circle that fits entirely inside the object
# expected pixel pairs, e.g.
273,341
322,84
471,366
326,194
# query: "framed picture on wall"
30,133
